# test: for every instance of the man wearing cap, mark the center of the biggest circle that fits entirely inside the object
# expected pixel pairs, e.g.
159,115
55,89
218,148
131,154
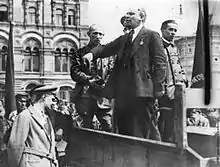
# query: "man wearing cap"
32,140
90,78
138,76
21,104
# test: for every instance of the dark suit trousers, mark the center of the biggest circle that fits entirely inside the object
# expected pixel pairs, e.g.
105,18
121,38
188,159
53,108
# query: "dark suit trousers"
87,107
134,117
166,120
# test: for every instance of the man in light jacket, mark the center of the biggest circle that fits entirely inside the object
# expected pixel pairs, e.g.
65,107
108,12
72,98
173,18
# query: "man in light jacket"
32,140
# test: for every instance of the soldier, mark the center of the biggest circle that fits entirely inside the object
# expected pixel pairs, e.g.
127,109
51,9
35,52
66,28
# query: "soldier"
22,102
32,140
90,79
174,74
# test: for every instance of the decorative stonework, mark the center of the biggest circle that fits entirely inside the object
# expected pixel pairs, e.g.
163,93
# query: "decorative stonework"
48,43
16,32
32,43
48,33
17,42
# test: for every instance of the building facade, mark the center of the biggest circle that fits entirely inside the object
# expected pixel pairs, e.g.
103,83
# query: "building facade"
186,50
45,35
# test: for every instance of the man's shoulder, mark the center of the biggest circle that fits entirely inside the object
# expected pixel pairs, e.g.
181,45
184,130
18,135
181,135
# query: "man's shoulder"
149,30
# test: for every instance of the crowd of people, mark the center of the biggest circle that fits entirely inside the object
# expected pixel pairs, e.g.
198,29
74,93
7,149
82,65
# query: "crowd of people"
120,87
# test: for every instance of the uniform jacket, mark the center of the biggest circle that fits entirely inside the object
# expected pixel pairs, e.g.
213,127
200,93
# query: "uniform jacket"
30,144
81,71
178,72
148,58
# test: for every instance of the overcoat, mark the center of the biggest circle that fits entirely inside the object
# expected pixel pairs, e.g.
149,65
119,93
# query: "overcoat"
149,60
31,144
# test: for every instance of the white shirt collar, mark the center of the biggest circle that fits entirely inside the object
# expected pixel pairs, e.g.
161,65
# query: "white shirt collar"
136,31
165,40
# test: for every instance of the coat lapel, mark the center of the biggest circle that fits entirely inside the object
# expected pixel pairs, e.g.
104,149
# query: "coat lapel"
40,120
138,41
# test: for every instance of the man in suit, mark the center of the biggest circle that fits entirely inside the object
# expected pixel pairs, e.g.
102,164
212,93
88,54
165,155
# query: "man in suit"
174,74
90,78
138,76
32,140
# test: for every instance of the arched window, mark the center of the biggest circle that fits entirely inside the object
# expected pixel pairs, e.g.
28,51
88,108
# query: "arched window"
65,49
59,17
65,59
2,91
36,59
27,59
57,60
3,58
3,13
71,52
31,59
61,60
32,15
64,93
71,17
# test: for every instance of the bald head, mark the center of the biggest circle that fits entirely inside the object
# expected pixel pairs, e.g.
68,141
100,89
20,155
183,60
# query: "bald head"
95,34
135,17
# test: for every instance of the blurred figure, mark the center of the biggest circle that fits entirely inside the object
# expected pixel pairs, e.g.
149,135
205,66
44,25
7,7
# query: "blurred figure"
61,145
32,139
90,78
63,119
2,108
125,24
197,118
3,128
22,102
213,116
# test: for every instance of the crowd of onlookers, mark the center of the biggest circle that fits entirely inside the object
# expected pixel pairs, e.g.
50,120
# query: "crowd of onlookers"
203,117
65,118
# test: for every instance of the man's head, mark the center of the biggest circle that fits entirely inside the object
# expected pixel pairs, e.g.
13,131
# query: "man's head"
21,101
169,29
135,17
95,34
125,25
47,96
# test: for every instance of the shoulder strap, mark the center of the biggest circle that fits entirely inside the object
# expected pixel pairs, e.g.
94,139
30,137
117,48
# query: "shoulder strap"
171,67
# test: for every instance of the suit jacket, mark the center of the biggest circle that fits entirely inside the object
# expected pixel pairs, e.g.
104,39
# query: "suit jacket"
148,58
30,144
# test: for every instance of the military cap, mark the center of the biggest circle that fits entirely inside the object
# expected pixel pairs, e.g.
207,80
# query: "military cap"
22,96
41,89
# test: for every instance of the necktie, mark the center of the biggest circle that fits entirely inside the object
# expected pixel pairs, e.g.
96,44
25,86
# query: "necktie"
128,43
130,36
